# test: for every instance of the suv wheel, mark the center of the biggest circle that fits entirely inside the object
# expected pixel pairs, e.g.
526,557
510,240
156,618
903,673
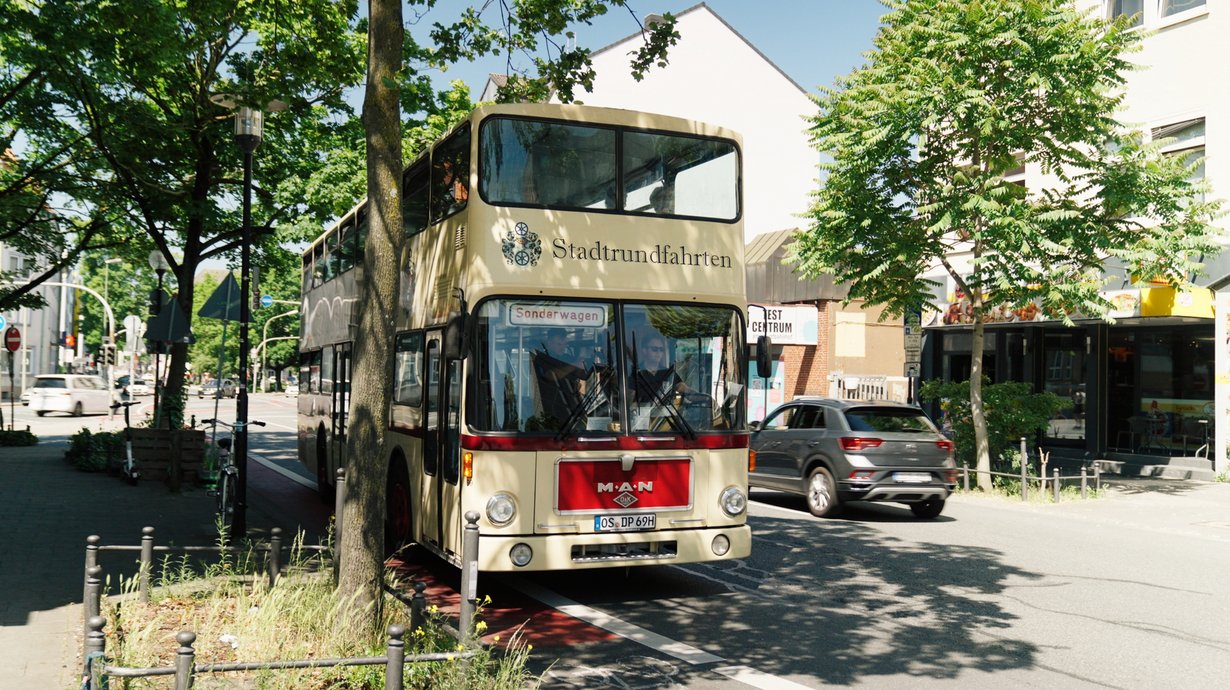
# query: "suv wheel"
928,510
822,493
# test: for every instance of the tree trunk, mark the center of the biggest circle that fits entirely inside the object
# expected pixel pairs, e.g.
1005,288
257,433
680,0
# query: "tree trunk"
982,446
361,545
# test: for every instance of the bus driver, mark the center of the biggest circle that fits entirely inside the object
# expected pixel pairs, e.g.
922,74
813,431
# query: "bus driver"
656,380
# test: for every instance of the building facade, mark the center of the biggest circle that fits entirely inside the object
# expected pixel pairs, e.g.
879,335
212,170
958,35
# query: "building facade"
40,328
1156,383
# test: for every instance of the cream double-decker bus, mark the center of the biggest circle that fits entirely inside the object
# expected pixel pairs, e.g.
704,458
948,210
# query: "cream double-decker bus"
569,338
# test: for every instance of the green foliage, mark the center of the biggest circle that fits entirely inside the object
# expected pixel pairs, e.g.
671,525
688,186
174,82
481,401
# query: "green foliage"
93,452
1012,411
16,437
956,94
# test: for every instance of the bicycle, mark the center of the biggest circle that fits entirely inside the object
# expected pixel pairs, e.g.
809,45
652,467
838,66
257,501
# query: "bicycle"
129,468
221,471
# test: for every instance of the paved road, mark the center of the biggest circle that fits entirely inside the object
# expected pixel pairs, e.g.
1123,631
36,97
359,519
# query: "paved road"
1125,592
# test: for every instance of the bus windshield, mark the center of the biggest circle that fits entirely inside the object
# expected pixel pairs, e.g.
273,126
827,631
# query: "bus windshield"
571,367
590,167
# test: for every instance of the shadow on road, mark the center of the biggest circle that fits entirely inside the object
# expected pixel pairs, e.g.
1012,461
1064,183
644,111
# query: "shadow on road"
836,601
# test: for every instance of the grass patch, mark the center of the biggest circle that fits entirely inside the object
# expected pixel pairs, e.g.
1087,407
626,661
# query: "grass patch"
1010,489
237,617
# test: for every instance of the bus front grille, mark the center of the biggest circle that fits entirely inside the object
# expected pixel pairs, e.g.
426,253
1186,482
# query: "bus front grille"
634,551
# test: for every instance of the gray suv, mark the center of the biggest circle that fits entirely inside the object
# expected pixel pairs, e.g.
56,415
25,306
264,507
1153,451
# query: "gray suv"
834,451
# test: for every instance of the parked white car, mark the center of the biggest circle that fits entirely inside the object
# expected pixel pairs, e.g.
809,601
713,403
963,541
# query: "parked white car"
139,387
74,394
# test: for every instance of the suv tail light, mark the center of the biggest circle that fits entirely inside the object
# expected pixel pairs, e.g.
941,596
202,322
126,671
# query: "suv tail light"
945,445
857,443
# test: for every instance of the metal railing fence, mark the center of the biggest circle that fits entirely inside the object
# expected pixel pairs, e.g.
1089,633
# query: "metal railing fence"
96,671
1056,480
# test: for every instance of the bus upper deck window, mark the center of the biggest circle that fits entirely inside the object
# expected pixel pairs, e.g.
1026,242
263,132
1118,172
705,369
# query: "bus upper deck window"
450,175
551,164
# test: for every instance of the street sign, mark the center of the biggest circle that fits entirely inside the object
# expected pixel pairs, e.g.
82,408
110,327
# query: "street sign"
913,341
912,369
266,300
12,339
134,330
3,322
913,323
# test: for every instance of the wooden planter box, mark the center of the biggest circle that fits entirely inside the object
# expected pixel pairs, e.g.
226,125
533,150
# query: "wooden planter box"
169,455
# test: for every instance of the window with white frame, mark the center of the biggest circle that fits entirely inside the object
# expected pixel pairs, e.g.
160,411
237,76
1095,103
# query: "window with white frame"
1132,8
1173,7
1156,14
1186,139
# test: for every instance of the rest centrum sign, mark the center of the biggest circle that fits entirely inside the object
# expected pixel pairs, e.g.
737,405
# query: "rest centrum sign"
784,324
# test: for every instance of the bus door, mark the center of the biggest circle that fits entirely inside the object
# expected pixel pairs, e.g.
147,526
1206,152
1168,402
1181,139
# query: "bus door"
439,486
339,404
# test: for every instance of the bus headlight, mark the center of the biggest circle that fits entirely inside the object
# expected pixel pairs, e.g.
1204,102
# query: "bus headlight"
501,509
521,555
733,501
720,545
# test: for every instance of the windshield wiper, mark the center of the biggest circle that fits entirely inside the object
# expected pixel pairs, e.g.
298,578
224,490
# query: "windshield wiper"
584,405
681,425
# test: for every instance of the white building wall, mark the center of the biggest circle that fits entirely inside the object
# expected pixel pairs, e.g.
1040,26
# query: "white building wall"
38,329
715,76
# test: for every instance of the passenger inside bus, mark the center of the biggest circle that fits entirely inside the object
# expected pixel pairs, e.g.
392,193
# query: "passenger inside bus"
561,383
662,199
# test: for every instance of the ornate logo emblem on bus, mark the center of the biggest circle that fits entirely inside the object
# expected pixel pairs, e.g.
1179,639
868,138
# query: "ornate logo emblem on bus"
522,247
625,499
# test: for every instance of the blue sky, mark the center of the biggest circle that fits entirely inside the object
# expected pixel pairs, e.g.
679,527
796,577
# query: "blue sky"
813,41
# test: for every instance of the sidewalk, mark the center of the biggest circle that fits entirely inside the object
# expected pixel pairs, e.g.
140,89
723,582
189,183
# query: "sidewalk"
49,508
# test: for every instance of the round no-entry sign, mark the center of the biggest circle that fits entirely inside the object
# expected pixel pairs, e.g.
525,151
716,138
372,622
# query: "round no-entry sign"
12,339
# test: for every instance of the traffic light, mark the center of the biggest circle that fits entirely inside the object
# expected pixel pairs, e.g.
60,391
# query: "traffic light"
108,352
70,340
155,302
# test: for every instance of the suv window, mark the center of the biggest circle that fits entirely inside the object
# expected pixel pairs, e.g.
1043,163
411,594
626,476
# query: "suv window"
886,419
51,383
784,419
812,418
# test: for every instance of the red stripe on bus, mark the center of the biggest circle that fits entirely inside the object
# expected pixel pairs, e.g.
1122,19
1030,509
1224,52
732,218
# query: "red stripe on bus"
572,443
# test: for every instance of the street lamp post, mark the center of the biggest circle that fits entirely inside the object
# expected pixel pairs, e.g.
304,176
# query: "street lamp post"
158,262
249,129
265,339
111,339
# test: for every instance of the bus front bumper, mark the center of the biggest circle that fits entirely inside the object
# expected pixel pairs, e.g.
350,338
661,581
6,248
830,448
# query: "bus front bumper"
615,550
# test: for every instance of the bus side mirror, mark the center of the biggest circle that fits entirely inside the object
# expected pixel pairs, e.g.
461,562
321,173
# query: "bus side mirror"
764,357
454,338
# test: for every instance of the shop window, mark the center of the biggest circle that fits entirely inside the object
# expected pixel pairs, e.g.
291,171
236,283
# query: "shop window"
1063,373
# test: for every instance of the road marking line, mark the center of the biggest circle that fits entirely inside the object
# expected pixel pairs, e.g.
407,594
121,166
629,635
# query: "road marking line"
757,679
680,650
283,471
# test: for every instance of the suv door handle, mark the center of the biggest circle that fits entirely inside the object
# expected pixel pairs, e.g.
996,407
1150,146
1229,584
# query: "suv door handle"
813,444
